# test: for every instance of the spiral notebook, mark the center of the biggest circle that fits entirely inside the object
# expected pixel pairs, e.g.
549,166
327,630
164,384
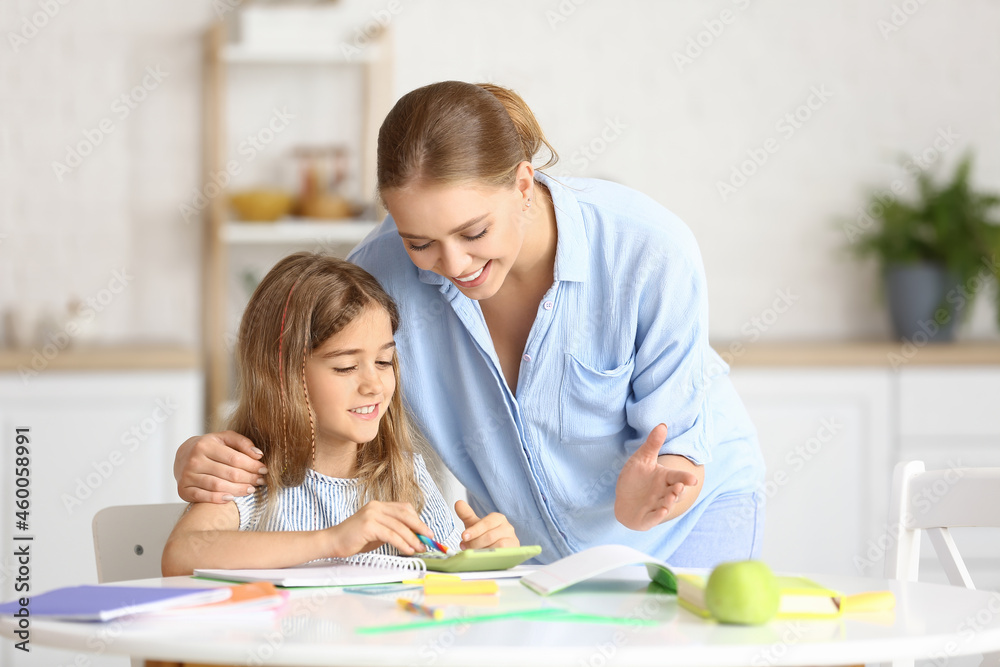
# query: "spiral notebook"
353,571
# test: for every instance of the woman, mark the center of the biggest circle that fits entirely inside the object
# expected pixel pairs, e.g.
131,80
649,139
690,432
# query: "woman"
555,339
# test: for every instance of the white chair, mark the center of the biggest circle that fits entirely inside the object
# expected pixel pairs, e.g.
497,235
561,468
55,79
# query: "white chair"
935,500
129,539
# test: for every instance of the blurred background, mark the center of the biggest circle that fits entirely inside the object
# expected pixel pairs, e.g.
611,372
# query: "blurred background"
781,132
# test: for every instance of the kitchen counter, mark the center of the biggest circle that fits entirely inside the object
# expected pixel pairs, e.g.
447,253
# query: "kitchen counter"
858,353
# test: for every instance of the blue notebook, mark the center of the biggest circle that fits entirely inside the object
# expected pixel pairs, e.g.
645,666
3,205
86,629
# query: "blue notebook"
103,603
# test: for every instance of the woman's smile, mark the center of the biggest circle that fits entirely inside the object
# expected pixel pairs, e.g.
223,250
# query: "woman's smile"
474,279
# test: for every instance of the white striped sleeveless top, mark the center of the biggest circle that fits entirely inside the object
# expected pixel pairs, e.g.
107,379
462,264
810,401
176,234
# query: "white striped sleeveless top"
322,501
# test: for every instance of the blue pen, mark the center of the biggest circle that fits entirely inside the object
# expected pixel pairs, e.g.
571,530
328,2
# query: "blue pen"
431,544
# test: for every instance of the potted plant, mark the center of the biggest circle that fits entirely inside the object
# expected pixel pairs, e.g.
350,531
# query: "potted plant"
936,252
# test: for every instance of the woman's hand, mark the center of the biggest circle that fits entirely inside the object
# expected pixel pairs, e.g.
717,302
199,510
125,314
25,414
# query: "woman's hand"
648,492
217,467
493,530
375,524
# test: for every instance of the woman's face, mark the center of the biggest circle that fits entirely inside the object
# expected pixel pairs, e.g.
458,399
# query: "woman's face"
351,380
471,235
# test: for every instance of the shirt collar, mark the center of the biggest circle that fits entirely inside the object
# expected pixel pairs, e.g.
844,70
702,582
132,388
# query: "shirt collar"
572,253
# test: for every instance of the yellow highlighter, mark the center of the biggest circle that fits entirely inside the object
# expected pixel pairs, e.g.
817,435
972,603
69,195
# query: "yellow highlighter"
476,587
868,602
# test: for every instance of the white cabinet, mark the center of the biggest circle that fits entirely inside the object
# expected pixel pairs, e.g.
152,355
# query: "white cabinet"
825,435
832,433
96,439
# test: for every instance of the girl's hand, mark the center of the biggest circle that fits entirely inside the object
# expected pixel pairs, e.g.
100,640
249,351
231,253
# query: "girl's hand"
491,531
647,491
375,524
217,467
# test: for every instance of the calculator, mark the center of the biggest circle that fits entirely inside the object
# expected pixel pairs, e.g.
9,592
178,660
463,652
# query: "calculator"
478,560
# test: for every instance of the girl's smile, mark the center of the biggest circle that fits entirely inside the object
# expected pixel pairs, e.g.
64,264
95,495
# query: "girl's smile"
366,412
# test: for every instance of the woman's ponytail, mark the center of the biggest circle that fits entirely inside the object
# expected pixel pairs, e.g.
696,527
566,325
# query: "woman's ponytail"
528,129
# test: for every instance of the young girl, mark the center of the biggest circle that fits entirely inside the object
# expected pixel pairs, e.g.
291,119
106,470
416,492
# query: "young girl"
319,396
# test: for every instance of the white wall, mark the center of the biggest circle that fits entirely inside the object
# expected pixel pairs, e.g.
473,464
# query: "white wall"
683,128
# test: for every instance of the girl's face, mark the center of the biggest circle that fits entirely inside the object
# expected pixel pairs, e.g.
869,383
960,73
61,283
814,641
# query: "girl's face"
470,235
350,380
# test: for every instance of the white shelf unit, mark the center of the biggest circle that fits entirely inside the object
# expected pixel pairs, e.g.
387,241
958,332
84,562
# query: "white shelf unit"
257,55
296,231
222,235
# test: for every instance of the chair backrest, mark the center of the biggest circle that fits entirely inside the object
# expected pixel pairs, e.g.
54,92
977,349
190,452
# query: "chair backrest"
934,500
129,539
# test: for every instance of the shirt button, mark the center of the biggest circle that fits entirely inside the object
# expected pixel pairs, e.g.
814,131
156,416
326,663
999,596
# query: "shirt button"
545,498
527,357
548,305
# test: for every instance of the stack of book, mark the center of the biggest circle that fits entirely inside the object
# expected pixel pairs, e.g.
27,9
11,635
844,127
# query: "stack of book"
104,603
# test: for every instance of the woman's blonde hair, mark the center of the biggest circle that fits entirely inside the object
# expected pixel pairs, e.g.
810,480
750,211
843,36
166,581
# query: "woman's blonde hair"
303,301
454,132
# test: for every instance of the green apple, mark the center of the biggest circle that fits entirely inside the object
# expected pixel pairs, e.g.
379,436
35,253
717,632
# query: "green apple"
744,592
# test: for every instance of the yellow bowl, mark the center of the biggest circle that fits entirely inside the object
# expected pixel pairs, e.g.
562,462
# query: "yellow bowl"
261,205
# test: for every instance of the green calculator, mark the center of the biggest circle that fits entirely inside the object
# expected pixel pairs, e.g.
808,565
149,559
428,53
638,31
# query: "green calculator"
478,560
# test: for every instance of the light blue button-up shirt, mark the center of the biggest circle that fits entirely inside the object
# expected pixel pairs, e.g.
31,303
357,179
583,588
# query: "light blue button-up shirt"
619,344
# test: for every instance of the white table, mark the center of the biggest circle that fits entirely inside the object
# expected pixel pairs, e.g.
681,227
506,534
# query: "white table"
318,628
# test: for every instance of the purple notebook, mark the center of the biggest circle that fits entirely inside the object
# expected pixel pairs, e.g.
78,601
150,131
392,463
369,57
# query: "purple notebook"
103,603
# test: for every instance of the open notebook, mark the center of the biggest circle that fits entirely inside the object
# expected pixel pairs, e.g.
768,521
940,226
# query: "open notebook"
353,571
376,569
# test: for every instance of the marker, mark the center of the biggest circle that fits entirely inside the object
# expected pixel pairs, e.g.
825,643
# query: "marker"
433,612
428,542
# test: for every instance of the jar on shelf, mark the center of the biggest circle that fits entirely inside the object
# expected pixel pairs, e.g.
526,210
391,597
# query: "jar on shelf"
322,171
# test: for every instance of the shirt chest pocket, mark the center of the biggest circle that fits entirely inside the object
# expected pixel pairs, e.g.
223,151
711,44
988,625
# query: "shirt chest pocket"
592,402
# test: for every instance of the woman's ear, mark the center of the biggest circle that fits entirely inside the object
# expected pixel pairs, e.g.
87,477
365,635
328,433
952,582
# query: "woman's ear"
524,180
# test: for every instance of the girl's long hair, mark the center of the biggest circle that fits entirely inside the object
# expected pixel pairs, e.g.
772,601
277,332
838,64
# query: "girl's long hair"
303,301
455,132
